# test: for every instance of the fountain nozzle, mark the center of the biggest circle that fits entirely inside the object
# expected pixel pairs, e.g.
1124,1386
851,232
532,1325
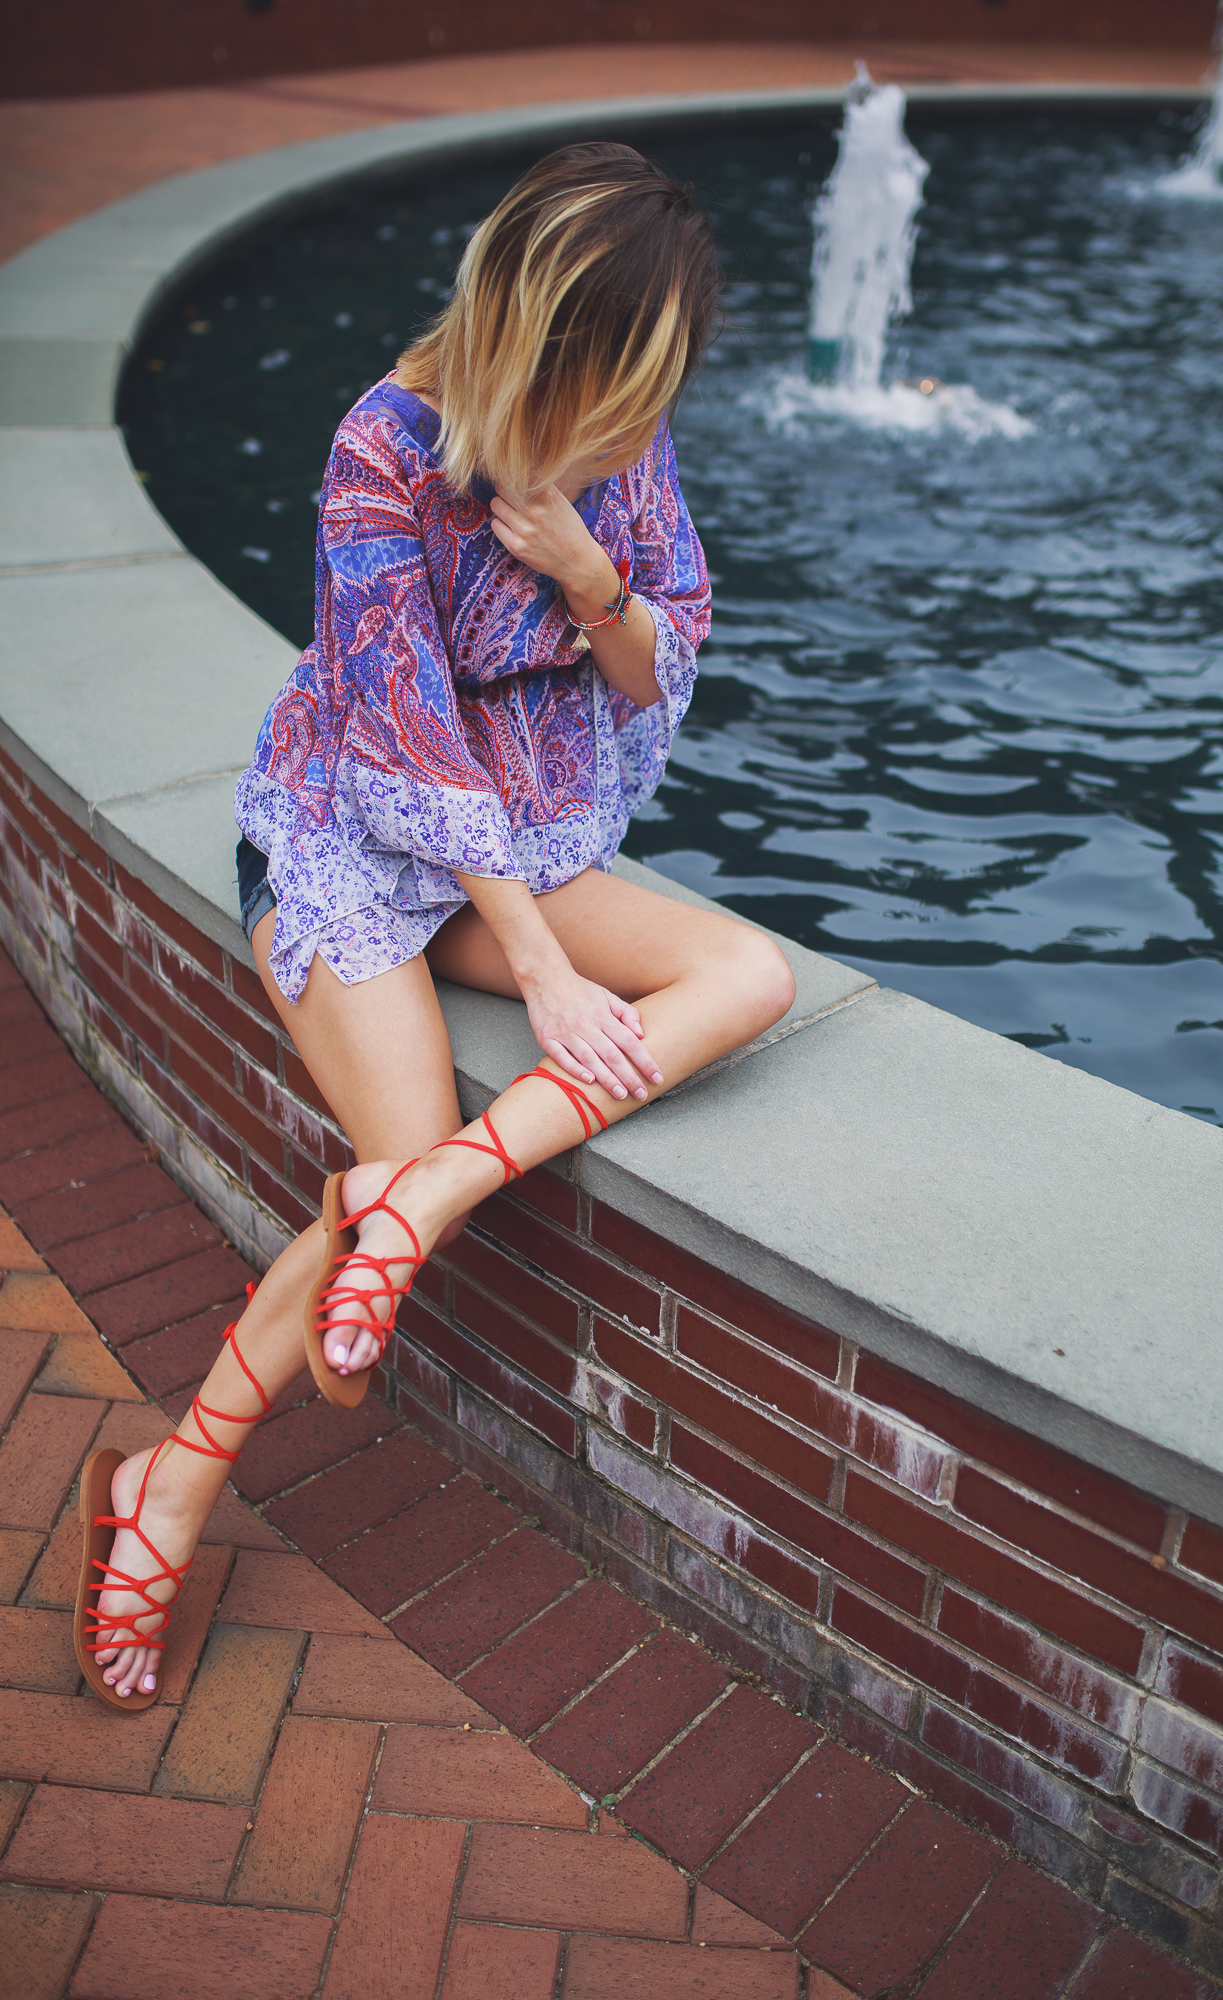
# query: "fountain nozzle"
823,359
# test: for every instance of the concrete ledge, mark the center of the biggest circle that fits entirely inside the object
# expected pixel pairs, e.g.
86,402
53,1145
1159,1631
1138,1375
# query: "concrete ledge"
930,1191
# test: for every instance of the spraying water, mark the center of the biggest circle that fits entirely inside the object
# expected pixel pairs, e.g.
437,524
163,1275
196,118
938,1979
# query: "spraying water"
865,233
865,230
1202,173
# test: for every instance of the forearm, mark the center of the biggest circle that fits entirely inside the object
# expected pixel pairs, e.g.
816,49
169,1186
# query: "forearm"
624,654
516,921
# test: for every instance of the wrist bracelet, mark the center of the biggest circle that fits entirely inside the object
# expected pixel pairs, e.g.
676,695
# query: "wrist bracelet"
616,612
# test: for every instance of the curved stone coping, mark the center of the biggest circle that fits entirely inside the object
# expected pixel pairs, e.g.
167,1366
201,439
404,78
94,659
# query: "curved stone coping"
1017,1232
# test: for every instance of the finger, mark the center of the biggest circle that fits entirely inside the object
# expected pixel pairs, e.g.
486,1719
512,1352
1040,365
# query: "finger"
641,1063
601,1056
626,1012
508,537
646,1063
571,1064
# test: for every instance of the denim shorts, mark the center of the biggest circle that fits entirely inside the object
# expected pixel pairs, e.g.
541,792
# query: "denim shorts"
255,896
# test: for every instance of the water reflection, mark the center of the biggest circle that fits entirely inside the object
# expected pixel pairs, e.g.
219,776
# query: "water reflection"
960,720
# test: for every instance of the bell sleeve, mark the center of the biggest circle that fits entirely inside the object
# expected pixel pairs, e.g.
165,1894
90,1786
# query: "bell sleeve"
670,578
403,749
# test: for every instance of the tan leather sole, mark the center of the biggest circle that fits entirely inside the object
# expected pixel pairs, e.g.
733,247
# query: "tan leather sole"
344,1392
96,1544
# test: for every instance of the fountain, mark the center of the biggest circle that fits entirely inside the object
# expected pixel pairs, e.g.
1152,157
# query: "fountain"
865,231
1201,174
865,234
957,723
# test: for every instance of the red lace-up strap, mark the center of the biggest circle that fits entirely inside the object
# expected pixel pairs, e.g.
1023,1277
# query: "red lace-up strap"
201,1410
113,1579
513,1172
586,1111
344,1297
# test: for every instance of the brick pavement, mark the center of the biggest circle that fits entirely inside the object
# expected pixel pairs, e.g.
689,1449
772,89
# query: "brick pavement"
409,1745
60,158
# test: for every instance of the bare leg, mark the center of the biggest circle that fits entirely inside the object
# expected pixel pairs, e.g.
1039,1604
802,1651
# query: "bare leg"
705,985
380,1054
184,1487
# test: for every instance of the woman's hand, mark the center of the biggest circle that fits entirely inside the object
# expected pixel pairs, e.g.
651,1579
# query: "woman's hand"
591,1034
548,534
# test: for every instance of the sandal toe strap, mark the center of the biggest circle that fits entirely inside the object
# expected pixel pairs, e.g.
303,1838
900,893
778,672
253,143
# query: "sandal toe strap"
142,1587
342,1298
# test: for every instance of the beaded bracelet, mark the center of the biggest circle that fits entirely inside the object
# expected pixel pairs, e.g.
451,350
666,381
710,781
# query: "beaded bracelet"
616,612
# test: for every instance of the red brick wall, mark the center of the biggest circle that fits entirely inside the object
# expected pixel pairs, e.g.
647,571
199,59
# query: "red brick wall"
61,48
1031,1639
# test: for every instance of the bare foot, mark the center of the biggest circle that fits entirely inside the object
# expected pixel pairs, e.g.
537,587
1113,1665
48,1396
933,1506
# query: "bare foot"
126,1618
422,1196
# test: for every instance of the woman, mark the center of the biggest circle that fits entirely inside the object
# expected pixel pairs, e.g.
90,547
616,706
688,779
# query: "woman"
510,595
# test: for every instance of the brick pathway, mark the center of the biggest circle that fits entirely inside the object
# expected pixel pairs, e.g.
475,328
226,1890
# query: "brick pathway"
407,1740
61,158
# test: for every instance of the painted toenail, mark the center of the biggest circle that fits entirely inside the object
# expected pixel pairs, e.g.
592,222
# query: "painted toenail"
149,1681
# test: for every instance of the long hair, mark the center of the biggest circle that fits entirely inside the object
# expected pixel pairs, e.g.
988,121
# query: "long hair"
582,305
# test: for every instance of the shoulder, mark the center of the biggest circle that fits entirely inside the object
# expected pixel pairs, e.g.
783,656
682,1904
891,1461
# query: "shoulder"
381,485
376,470
373,444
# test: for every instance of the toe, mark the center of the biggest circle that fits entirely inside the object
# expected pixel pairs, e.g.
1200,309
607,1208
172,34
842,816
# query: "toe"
120,1674
363,1354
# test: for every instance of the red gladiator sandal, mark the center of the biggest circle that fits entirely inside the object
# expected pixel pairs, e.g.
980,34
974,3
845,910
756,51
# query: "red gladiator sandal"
589,1113
513,1172
93,1634
332,1296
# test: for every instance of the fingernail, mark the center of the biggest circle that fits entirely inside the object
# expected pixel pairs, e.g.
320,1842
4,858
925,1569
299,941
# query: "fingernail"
641,1095
619,1091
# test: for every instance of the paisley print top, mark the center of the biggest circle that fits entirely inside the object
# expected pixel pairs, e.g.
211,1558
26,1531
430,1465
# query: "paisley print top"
442,718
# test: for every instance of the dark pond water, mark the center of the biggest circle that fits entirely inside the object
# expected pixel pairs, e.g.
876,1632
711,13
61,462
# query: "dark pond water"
960,721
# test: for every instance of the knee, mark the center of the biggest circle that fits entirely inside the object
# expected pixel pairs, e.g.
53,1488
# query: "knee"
761,977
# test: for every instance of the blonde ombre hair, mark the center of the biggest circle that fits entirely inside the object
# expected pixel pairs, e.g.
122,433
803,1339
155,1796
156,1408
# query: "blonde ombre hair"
582,305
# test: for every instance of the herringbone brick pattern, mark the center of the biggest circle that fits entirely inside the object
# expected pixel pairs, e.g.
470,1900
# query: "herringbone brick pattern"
409,1744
